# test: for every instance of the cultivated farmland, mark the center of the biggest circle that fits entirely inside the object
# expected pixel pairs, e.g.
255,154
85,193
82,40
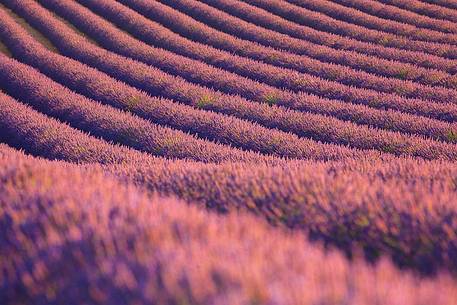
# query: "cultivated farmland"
228,152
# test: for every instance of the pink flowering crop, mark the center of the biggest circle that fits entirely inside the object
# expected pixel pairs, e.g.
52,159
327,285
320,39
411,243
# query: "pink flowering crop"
245,152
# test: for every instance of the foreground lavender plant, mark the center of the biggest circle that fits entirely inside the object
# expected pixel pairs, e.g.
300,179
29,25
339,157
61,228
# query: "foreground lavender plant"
74,236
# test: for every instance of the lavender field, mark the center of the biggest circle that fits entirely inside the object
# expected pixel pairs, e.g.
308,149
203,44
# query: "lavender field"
252,152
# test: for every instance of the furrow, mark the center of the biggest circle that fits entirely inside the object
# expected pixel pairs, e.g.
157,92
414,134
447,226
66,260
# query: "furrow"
32,31
4,50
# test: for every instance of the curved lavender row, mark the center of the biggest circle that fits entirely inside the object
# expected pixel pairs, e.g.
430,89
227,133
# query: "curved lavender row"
124,44
431,10
99,86
350,77
195,71
390,120
400,15
115,40
197,181
24,128
285,194
218,16
442,4
390,216
315,19
359,17
220,128
270,14
212,17
318,127
128,247
32,31
414,229
26,84
198,31
121,43
418,108
130,19
27,129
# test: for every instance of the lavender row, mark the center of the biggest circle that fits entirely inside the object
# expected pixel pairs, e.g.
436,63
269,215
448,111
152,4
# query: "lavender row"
280,8
445,10
182,24
129,247
359,17
403,16
118,41
214,78
221,128
38,36
417,229
200,11
442,4
351,77
286,196
24,128
364,214
26,84
273,14
286,192
195,30
198,31
206,124
315,19
317,127
218,16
